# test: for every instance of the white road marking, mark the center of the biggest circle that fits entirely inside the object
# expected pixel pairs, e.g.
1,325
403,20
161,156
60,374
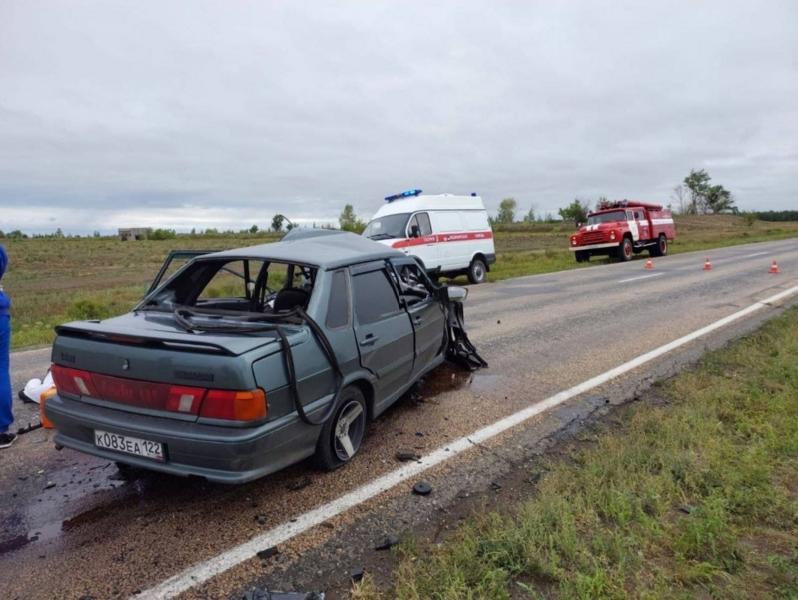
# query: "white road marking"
228,559
640,277
755,254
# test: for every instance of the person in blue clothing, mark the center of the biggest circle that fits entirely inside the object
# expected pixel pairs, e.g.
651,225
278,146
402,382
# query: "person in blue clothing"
6,417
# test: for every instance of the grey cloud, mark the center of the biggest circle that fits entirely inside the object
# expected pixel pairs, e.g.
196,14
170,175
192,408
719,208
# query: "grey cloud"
152,111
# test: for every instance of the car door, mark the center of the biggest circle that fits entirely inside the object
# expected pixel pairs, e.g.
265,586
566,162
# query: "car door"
426,312
642,224
383,330
633,228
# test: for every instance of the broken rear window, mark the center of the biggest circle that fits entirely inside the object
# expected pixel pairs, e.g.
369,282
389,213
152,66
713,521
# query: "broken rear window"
243,284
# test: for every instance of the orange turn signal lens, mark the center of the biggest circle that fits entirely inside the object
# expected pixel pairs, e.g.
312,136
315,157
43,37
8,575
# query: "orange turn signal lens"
235,405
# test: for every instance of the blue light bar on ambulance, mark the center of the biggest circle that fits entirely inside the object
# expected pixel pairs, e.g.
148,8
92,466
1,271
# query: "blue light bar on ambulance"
407,194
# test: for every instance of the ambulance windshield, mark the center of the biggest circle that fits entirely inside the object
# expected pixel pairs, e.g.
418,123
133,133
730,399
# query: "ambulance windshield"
390,226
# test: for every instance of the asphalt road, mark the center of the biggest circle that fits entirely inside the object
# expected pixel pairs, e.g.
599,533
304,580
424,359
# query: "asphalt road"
71,526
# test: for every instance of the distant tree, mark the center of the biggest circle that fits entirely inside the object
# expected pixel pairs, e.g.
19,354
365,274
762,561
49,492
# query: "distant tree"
277,223
59,233
290,226
705,197
96,234
697,183
719,199
17,235
576,211
162,234
349,222
2,234
679,196
253,230
506,212
777,215
529,217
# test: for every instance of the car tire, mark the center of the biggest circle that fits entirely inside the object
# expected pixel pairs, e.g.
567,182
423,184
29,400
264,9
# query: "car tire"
625,250
342,435
582,256
477,271
661,247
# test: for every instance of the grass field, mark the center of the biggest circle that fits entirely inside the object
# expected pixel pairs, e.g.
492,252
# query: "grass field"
51,281
695,496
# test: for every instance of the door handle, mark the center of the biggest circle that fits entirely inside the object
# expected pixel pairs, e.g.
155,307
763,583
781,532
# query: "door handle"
369,340
418,320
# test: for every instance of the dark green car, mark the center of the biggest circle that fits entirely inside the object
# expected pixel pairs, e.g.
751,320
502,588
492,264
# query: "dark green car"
249,360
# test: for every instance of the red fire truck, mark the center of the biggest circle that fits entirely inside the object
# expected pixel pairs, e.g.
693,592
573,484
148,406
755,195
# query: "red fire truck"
623,229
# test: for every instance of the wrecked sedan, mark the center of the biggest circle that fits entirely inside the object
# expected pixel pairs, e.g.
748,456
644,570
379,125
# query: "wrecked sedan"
246,361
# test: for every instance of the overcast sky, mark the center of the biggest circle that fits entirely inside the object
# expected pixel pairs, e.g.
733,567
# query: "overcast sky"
220,114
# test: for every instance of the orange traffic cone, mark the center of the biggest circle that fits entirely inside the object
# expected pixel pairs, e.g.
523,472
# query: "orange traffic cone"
46,423
707,265
649,264
774,268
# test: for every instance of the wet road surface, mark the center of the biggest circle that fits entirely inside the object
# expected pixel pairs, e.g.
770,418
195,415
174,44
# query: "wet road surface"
73,526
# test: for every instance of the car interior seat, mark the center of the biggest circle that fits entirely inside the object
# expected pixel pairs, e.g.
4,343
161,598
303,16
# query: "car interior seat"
290,298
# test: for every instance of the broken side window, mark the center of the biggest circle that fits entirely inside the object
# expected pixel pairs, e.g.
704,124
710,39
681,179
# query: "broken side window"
374,297
338,308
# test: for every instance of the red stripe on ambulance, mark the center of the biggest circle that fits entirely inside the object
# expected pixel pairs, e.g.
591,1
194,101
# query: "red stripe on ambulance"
443,237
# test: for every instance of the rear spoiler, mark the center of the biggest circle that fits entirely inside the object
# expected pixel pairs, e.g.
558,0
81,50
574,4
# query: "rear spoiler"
144,341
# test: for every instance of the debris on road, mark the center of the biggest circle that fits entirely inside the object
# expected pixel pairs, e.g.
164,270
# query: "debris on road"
265,555
299,484
407,455
263,594
390,541
50,485
422,488
357,574
28,428
261,519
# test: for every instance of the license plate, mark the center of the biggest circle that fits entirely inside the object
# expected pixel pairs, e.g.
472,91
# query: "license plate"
129,445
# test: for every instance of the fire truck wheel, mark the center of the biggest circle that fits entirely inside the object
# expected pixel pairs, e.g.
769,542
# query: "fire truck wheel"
477,271
582,256
625,250
661,248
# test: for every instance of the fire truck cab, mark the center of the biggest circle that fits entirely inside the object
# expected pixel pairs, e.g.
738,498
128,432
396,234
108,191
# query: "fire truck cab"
622,229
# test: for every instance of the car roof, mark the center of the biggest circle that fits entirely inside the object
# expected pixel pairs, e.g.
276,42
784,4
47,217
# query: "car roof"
323,248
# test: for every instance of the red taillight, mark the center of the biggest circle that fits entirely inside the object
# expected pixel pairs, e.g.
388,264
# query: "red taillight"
231,405
143,394
73,381
235,405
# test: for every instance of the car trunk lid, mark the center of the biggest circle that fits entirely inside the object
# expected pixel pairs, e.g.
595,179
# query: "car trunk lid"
144,362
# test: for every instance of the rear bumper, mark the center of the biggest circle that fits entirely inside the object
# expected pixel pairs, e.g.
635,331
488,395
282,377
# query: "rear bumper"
219,454
490,258
594,247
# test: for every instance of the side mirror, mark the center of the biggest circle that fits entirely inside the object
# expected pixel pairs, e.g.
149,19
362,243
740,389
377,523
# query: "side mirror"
456,293
578,224
414,231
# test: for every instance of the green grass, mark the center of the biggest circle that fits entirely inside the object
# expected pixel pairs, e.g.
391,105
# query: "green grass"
54,280
693,497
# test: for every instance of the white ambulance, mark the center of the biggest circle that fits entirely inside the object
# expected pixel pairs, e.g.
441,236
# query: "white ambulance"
449,234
